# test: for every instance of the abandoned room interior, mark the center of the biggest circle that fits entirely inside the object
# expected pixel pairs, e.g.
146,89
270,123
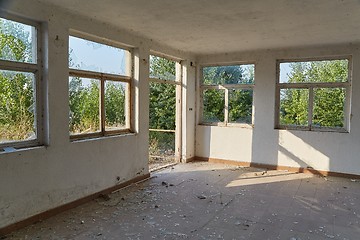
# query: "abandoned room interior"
179,119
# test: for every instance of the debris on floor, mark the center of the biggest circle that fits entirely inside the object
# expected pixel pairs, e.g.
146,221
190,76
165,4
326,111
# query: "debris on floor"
191,201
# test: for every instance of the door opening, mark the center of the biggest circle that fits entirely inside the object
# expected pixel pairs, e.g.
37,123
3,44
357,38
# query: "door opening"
164,112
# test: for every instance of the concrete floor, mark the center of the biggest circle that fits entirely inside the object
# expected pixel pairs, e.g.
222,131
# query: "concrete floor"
213,201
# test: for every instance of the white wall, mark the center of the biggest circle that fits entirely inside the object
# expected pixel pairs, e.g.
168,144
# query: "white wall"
328,151
37,179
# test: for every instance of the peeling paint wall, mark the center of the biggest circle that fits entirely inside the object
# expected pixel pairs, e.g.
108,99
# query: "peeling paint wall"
38,179
328,151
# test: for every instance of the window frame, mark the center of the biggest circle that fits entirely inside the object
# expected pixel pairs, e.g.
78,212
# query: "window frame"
178,83
102,78
310,86
226,88
35,68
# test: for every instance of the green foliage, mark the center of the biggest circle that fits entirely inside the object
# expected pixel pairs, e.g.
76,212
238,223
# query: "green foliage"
16,88
114,104
213,105
238,74
162,108
240,101
161,143
15,41
240,105
294,107
329,107
162,68
84,105
328,104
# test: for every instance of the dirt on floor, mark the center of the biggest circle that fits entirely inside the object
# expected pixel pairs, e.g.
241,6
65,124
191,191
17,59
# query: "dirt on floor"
156,162
214,201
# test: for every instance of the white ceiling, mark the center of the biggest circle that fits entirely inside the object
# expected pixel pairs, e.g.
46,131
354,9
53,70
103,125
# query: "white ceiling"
214,26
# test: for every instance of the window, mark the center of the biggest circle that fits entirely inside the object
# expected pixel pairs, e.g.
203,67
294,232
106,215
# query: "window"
20,74
227,94
313,95
99,89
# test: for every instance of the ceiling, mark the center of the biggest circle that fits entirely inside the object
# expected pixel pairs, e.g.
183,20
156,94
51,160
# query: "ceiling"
220,26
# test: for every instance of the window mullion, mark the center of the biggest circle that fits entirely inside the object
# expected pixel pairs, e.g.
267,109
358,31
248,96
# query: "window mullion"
102,105
226,109
311,107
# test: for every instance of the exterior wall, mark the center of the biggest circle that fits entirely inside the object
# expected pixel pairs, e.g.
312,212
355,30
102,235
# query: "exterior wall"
41,178
326,151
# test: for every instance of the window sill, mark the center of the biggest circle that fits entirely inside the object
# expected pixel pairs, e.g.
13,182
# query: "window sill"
313,129
13,150
230,125
99,136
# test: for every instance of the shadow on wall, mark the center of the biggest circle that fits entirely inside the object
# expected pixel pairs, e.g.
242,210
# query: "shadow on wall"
306,150
329,151
272,148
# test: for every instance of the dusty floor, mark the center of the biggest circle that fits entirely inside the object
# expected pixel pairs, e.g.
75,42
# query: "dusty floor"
211,201
160,162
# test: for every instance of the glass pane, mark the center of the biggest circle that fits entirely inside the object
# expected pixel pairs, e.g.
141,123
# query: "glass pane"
314,71
162,108
329,104
17,106
84,106
161,148
237,74
294,104
240,105
97,57
17,41
162,68
214,104
115,107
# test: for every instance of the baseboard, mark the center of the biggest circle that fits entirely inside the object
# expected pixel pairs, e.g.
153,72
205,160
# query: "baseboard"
192,159
277,167
52,212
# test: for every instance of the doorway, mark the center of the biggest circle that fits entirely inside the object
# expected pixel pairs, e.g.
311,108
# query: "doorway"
164,112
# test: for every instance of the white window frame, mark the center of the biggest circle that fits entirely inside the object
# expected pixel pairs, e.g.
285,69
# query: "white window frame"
310,86
226,88
102,78
37,69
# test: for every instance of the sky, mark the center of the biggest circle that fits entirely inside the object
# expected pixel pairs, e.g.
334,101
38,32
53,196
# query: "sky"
284,71
92,56
98,57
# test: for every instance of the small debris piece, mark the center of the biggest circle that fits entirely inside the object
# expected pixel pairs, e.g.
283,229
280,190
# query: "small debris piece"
105,197
164,183
156,206
353,180
82,222
171,185
201,197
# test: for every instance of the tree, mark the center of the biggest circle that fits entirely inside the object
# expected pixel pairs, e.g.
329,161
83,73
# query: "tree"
240,101
17,110
328,110
162,107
